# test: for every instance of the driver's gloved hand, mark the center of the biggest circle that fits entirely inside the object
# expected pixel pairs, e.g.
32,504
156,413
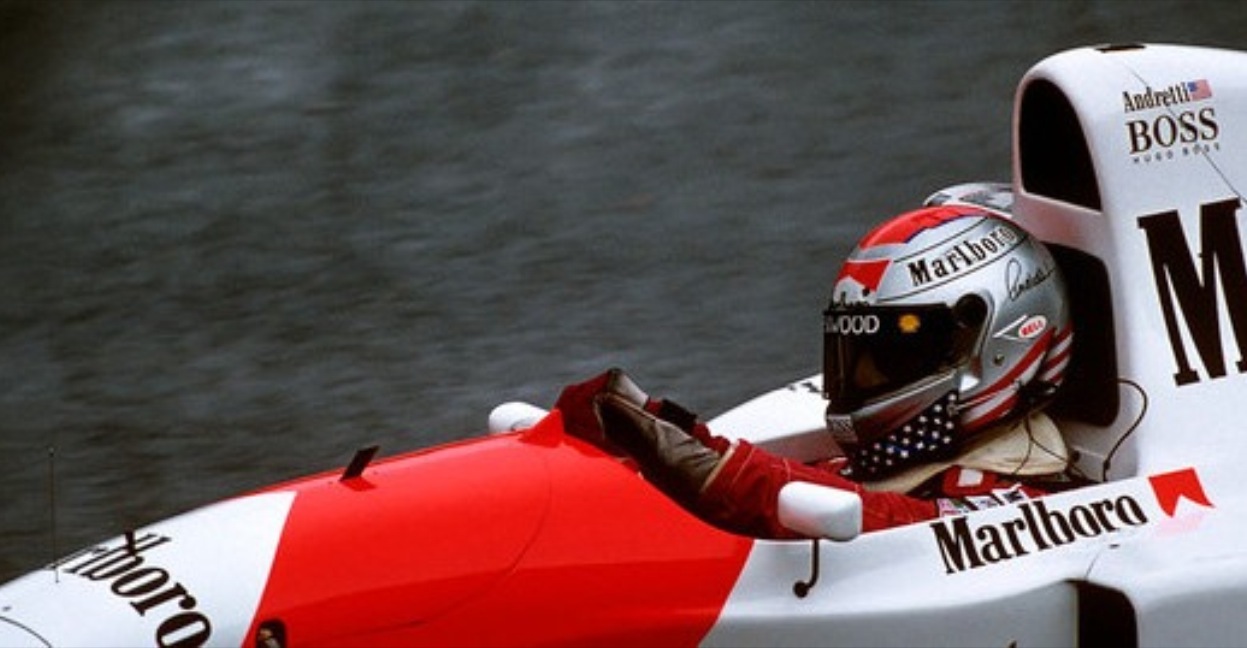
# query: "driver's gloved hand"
675,461
580,416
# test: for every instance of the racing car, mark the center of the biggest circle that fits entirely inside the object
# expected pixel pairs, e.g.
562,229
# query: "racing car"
1127,161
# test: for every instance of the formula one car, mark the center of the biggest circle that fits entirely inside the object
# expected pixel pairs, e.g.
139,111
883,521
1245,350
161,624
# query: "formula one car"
1128,161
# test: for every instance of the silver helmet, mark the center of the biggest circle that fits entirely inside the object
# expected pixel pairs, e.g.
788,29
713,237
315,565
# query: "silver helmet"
943,321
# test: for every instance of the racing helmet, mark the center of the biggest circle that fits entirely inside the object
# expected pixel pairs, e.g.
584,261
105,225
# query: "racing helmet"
943,321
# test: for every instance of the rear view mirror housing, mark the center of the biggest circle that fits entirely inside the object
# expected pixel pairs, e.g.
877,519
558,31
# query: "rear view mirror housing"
820,511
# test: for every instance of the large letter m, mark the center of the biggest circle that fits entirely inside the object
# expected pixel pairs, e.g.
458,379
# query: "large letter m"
1173,267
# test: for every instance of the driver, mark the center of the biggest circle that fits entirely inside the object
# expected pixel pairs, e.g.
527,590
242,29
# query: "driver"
946,334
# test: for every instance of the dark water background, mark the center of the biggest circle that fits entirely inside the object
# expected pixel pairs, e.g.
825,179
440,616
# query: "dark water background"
240,240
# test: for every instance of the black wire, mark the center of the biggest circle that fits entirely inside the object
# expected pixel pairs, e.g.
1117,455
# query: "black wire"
1108,459
1071,468
1026,423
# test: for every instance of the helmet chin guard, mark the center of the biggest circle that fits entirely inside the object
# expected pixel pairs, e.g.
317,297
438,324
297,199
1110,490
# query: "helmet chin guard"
925,437
876,419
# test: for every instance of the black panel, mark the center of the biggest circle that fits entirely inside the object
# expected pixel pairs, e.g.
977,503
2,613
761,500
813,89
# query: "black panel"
1105,618
1055,160
1089,392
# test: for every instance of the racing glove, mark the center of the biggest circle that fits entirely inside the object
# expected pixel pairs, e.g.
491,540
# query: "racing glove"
673,460
580,418
576,402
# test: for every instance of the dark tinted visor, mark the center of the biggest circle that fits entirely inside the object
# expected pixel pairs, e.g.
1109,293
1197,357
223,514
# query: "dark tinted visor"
869,351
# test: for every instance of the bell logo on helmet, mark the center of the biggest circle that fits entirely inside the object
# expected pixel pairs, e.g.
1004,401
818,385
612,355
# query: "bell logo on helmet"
1026,327
1032,327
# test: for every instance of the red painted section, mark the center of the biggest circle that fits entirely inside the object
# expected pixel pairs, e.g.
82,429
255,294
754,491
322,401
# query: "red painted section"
903,227
532,539
868,273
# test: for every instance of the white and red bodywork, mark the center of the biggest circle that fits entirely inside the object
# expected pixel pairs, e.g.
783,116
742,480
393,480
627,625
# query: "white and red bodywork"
536,538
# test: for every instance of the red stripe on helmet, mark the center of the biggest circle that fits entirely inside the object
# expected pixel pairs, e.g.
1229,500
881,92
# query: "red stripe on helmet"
904,227
973,419
866,273
1053,369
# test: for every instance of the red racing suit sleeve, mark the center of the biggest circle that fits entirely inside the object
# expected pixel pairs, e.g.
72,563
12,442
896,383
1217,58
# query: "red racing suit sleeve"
743,494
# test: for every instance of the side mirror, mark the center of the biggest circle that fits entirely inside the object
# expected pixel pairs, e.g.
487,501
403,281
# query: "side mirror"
514,416
820,511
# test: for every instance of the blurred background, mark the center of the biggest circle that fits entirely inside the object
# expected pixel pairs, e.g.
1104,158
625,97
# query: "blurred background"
240,240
